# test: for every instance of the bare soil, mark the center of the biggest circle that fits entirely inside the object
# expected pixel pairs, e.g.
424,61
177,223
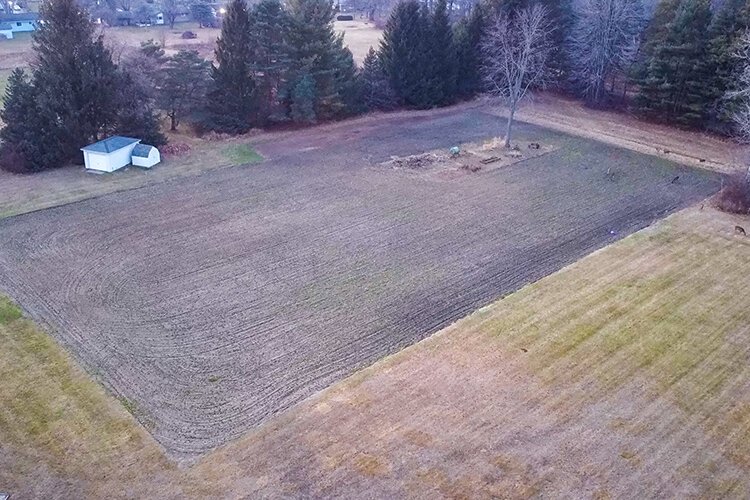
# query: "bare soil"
214,302
468,159
624,375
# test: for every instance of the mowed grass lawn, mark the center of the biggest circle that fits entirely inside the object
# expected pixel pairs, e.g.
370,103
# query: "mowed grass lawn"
625,374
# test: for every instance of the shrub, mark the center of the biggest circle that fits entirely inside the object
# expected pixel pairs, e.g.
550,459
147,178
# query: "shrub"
735,195
12,160
188,35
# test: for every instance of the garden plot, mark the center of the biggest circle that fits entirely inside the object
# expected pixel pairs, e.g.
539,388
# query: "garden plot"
209,304
469,158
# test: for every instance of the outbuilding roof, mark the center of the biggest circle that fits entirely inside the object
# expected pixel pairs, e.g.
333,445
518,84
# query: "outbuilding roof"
110,144
142,150
5,26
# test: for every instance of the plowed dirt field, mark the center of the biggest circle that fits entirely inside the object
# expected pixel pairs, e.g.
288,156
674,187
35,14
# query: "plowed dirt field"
210,303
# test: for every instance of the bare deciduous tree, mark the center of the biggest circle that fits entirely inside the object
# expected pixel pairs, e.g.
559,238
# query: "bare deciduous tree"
516,51
171,10
604,43
740,95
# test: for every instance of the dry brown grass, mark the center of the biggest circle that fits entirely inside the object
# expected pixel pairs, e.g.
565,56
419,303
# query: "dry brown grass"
359,36
626,131
50,188
623,375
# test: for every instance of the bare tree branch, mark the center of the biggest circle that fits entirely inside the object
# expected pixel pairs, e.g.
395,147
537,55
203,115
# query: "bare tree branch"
741,93
604,42
516,51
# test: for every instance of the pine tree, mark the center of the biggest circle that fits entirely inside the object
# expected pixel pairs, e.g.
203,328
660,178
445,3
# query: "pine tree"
443,56
376,89
303,99
75,79
562,19
271,58
231,100
346,81
20,150
467,37
316,52
406,56
673,88
141,121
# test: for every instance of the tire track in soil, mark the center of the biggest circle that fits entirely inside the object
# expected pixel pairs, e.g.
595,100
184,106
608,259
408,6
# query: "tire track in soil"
218,301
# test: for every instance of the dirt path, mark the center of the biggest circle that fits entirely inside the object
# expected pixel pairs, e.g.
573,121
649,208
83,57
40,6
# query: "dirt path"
623,130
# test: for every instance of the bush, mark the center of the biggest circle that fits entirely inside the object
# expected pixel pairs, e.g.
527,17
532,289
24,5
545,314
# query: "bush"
188,35
12,160
735,195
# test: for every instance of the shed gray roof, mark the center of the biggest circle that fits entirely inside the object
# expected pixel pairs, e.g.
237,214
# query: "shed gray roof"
110,144
142,150
25,16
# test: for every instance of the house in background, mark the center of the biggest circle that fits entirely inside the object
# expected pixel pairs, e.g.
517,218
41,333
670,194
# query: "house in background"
116,152
15,23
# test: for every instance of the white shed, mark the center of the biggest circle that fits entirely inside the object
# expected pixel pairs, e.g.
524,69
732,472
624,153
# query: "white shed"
109,154
145,155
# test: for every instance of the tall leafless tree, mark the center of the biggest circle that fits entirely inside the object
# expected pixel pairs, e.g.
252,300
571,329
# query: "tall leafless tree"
171,10
740,94
604,43
516,53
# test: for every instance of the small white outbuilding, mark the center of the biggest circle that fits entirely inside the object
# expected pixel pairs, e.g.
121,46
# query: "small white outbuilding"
145,155
115,152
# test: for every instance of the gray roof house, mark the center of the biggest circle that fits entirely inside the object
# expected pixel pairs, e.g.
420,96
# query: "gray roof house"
17,22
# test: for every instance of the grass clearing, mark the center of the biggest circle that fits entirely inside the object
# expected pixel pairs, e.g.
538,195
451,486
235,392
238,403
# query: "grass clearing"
606,377
50,188
241,154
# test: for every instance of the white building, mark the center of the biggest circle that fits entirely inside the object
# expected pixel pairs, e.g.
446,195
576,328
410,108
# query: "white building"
116,152
145,156
13,23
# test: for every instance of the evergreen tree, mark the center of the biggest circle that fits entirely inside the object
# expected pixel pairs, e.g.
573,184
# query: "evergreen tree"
231,100
727,27
405,53
318,53
142,120
182,85
24,146
443,65
654,36
376,89
346,81
467,37
674,86
562,19
75,79
271,58
303,99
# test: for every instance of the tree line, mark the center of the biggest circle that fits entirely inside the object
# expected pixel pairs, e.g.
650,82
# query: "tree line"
680,61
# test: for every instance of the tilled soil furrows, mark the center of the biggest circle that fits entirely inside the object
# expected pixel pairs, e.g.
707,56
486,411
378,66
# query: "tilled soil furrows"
213,302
